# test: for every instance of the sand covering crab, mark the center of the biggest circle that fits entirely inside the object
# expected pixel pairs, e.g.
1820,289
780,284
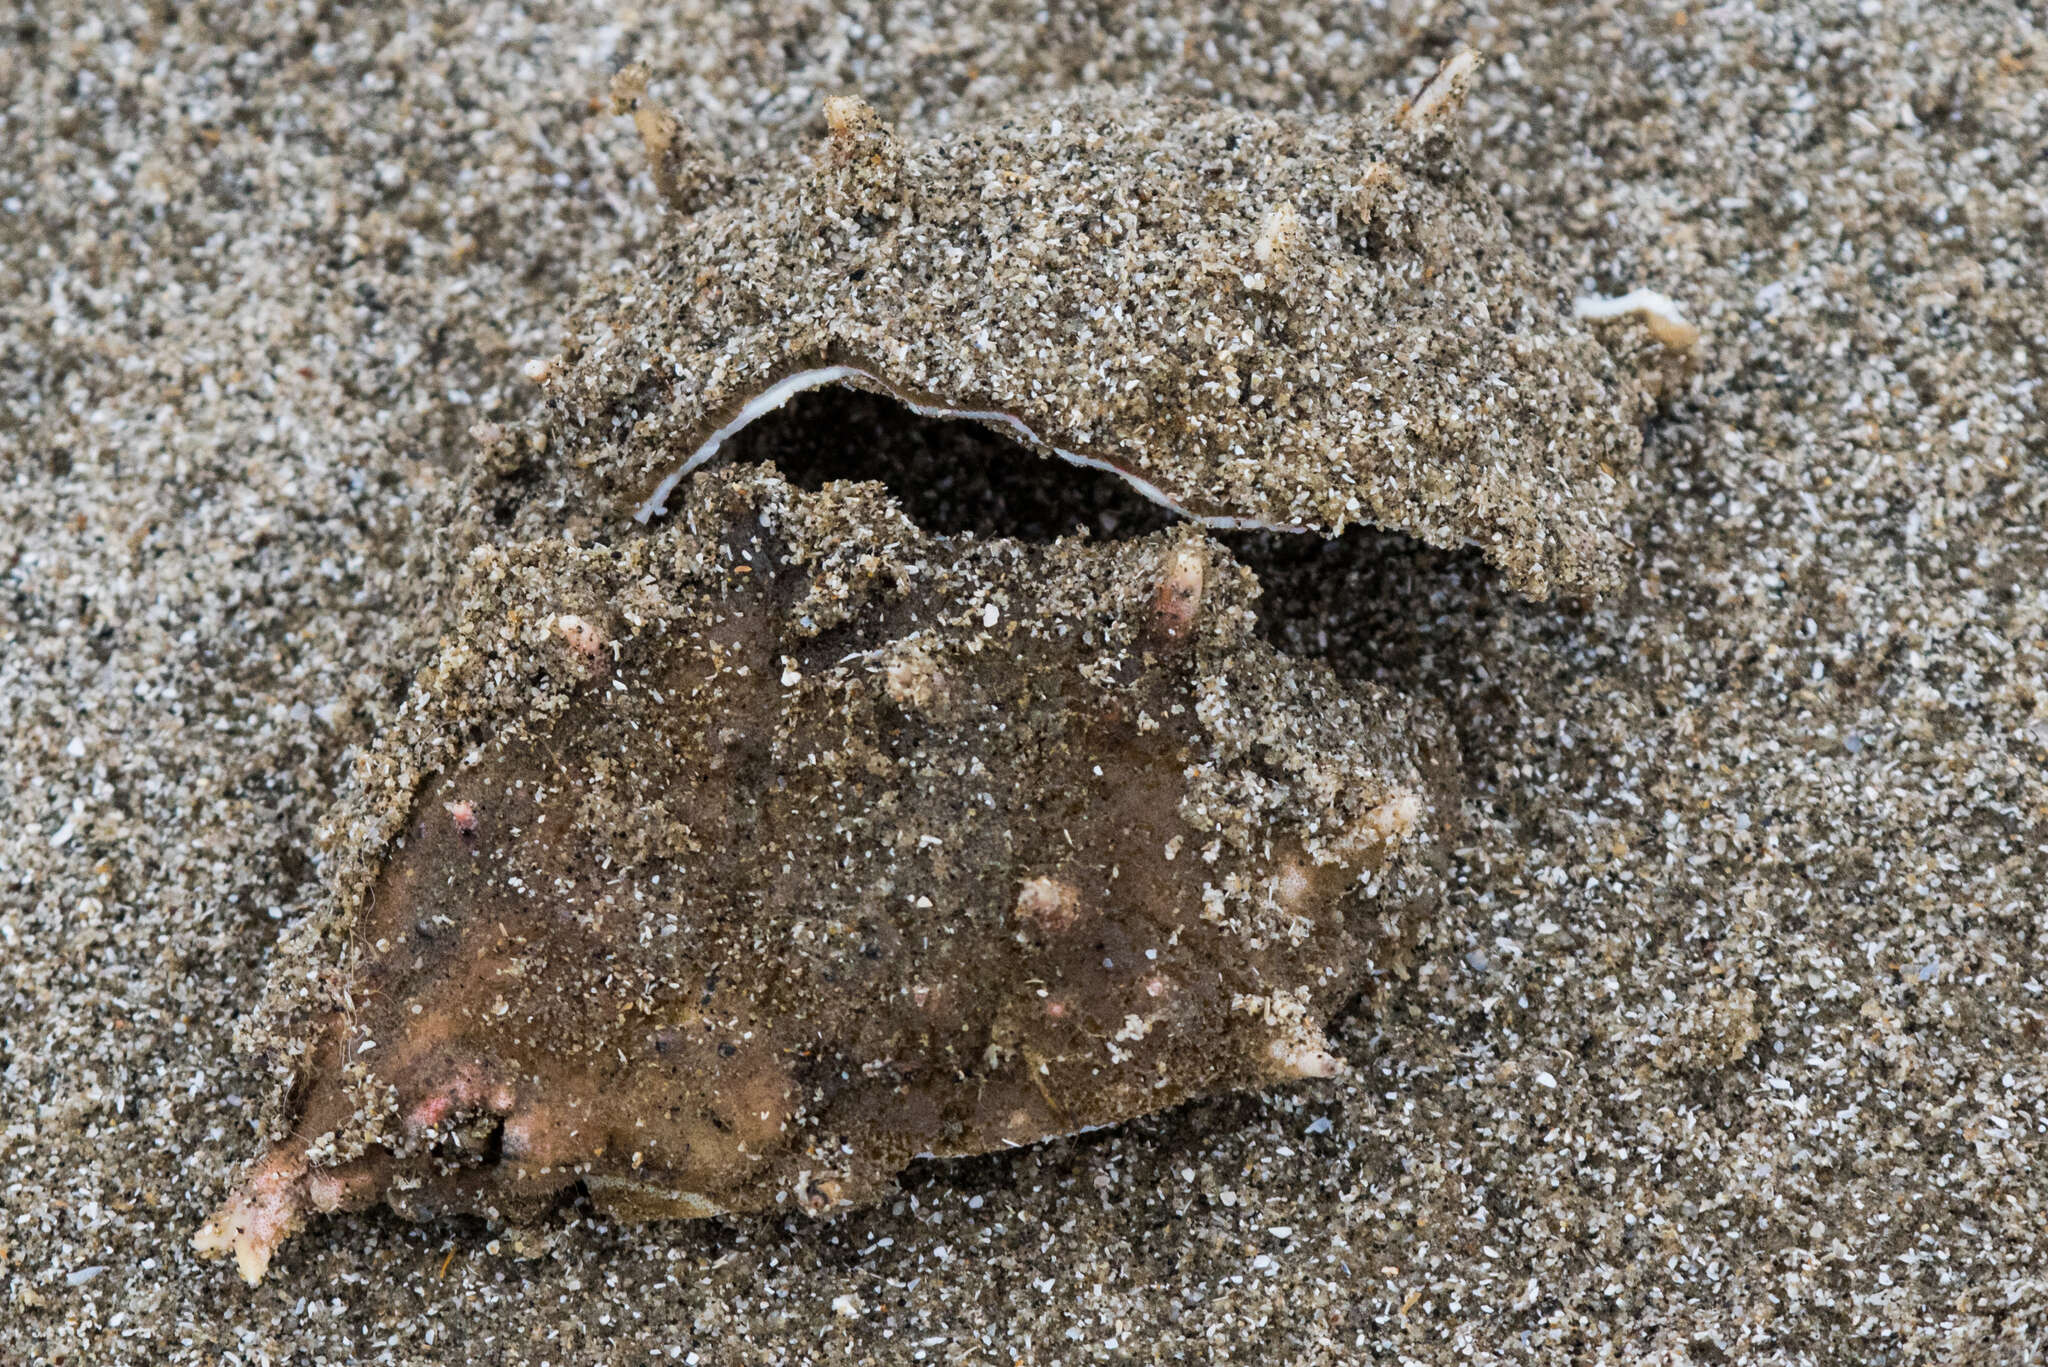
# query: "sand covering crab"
769,841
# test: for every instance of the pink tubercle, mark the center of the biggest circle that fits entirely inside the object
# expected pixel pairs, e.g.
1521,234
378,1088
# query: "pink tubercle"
463,814
429,1114
465,1090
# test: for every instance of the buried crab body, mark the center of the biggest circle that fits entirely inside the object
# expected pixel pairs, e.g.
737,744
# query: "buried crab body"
867,844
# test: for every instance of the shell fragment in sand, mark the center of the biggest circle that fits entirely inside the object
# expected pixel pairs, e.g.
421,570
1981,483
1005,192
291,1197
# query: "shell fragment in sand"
1659,312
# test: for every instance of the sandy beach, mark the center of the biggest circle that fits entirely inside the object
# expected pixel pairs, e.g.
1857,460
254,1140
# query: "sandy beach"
1729,1043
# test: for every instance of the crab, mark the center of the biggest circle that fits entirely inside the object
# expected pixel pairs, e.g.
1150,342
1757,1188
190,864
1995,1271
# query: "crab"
742,854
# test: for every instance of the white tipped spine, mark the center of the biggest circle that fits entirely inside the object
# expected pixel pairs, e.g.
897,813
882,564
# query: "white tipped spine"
1444,93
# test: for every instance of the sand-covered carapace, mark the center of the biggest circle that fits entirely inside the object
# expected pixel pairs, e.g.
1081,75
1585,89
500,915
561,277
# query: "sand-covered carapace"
738,864
1259,320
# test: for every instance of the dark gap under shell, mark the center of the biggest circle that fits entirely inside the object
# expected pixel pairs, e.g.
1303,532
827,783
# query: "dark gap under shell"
952,476
1389,606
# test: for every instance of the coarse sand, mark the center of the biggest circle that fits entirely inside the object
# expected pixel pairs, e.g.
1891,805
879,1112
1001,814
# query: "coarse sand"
1728,1044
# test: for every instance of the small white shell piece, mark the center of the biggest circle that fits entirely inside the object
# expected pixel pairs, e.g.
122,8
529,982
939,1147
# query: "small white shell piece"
1659,312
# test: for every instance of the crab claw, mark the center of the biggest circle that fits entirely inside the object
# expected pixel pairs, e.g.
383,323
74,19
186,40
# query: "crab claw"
265,1210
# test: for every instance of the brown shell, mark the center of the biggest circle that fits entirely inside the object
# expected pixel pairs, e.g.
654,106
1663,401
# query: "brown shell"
1258,319
745,862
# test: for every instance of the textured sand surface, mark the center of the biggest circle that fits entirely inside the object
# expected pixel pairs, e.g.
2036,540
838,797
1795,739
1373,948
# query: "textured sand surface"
1729,1045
